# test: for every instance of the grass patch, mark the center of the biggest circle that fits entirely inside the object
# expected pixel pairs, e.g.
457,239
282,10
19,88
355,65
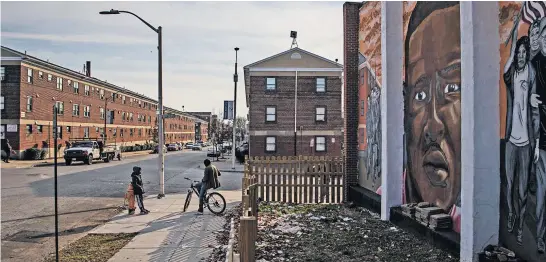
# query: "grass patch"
93,248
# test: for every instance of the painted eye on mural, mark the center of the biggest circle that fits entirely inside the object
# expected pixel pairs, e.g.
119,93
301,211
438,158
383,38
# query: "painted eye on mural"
452,88
420,96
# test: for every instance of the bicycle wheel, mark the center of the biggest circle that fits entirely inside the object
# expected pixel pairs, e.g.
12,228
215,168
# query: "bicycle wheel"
188,200
216,203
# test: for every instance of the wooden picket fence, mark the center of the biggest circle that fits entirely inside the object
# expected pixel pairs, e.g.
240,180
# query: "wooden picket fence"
248,223
302,179
298,179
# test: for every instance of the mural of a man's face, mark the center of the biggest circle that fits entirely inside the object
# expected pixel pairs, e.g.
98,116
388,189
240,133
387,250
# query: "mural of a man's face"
434,103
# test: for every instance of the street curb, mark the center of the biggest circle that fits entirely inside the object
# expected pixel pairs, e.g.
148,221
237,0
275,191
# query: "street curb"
62,162
231,171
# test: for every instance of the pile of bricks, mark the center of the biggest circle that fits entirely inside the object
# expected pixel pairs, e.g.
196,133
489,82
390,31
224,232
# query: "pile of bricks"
428,215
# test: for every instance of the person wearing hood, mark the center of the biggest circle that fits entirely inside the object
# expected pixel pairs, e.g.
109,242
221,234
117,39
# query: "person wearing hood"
138,189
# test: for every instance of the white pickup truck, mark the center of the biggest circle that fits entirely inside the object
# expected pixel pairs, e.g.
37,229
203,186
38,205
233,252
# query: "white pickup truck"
87,151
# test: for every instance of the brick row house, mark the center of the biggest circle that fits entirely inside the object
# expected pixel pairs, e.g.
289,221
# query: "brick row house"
205,131
294,101
31,87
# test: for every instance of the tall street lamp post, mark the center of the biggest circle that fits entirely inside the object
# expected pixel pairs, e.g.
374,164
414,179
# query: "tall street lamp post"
161,163
235,79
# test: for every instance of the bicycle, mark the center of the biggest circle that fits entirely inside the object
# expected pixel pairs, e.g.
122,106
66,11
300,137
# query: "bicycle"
212,200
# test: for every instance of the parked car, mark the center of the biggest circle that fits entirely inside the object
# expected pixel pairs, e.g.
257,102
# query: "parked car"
197,147
189,145
173,147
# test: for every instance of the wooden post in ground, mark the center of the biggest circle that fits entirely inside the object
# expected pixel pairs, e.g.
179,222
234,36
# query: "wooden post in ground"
247,236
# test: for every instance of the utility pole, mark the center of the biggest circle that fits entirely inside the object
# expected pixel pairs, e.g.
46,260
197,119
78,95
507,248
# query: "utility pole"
55,111
235,79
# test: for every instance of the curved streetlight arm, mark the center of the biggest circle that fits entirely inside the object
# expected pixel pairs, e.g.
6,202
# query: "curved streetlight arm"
143,21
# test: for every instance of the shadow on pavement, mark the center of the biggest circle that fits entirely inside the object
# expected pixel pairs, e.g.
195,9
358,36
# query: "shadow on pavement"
60,214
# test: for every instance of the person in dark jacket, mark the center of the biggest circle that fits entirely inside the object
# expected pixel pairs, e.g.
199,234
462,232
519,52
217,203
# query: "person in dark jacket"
210,180
138,188
7,149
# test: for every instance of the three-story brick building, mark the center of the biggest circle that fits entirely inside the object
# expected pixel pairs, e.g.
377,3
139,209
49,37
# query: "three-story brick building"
88,107
294,101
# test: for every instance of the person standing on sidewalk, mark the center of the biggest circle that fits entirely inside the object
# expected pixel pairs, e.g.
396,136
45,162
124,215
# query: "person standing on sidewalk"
7,149
138,189
210,180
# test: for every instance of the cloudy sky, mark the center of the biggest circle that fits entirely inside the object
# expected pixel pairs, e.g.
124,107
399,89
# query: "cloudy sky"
198,42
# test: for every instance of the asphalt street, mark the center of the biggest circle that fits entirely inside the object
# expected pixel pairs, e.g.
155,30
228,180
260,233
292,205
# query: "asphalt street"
88,196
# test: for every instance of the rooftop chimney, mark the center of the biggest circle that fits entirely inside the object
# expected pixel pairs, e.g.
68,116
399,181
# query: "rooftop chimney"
88,68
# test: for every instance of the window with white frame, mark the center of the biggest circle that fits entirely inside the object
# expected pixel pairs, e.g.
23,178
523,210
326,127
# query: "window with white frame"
101,94
101,113
271,83
75,110
131,116
270,114
60,83
39,129
60,107
29,129
270,144
76,87
68,129
86,132
123,100
3,73
40,74
30,79
320,144
321,84
29,103
320,114
86,90
87,111
49,77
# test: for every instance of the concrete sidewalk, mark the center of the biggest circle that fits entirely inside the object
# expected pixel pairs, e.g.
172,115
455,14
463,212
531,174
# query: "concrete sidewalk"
167,234
224,165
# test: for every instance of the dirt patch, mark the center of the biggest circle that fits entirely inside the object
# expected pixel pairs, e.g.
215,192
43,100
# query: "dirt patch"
222,237
336,233
93,248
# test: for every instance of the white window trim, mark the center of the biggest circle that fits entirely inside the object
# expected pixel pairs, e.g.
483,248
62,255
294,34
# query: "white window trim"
267,84
86,111
29,98
317,144
323,88
274,144
317,114
267,114
74,106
